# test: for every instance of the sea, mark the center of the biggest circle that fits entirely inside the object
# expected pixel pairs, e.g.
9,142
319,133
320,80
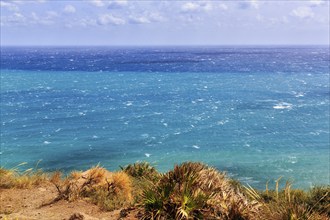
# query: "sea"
256,112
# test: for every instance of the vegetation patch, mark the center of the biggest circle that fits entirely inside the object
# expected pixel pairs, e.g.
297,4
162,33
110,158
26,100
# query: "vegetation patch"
188,191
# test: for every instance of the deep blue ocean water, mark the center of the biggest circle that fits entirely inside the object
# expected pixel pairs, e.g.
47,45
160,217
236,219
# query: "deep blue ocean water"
256,112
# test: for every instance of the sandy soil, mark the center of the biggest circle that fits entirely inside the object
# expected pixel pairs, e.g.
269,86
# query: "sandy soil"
36,203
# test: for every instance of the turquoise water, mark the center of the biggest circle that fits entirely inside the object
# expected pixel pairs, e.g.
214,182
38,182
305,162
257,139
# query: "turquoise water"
256,124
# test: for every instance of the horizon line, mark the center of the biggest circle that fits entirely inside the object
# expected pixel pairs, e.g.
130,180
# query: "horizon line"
165,45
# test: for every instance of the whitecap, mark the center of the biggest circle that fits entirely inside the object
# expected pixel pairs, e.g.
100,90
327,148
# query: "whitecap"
145,135
95,137
196,146
314,133
298,94
47,142
128,103
222,122
292,159
147,155
282,105
57,130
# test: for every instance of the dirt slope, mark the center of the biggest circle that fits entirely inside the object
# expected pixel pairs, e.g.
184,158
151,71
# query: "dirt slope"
36,203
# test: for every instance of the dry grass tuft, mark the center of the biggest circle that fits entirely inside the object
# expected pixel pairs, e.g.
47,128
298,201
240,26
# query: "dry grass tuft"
108,190
14,178
288,204
117,193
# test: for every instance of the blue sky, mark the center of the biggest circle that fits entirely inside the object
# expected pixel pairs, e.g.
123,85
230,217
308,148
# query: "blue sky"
154,22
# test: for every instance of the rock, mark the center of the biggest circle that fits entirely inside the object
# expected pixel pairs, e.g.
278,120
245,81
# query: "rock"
76,216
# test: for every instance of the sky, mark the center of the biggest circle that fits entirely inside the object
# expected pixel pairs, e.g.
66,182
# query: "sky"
156,22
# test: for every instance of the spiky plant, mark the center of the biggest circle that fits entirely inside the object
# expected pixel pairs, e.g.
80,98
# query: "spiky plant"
195,191
141,170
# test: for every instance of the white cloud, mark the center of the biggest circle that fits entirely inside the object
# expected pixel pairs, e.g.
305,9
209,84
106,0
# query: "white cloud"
85,22
112,4
34,16
254,4
190,6
303,12
196,6
18,17
156,17
14,19
139,20
146,18
51,14
117,4
249,4
223,6
69,9
106,19
98,3
9,6
23,2
317,2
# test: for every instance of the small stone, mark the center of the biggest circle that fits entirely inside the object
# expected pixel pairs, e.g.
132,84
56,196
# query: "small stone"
77,216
